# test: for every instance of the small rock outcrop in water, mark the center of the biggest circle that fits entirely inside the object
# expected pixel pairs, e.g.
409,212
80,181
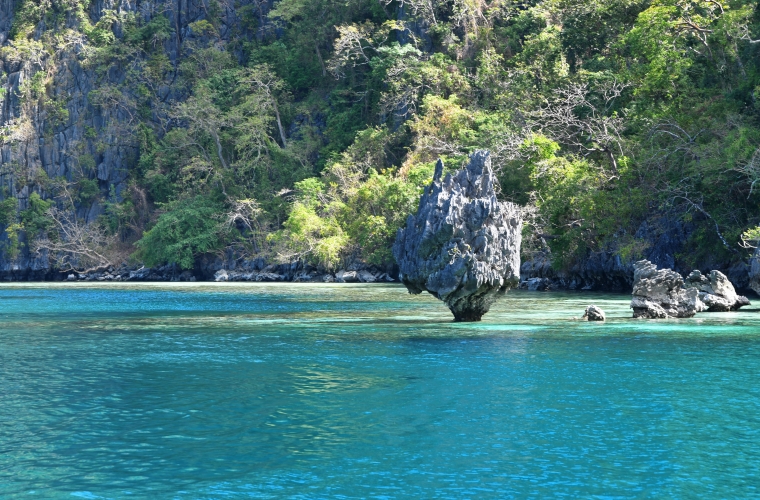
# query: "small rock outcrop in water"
715,291
594,313
463,245
661,293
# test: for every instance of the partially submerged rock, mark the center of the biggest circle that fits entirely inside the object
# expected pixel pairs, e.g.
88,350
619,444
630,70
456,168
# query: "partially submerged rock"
463,245
715,291
661,293
594,313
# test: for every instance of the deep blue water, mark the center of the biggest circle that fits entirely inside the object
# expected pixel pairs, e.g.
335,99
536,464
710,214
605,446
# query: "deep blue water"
362,391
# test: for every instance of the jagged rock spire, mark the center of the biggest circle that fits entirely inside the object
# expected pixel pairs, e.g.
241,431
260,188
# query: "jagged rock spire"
463,245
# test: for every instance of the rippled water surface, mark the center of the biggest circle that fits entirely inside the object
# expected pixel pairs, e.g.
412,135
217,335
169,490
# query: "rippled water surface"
362,391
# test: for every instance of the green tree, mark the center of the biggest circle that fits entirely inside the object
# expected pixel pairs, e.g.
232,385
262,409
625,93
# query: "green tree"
186,230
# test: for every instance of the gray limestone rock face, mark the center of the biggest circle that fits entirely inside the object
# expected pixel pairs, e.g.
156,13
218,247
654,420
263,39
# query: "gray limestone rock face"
463,245
715,291
594,313
660,293
84,137
343,276
754,272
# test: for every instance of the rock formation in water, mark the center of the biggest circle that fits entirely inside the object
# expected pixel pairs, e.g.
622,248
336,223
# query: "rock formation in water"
463,245
594,313
661,293
715,291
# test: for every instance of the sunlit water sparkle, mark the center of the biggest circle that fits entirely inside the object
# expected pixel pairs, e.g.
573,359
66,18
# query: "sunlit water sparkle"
362,391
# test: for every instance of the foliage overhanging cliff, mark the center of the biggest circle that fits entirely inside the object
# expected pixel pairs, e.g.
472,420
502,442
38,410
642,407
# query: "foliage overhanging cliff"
306,128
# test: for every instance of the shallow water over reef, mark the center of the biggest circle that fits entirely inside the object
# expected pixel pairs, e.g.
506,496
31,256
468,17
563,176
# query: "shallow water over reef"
362,391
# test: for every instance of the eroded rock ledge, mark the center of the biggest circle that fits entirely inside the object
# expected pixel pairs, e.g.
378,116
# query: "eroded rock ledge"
463,245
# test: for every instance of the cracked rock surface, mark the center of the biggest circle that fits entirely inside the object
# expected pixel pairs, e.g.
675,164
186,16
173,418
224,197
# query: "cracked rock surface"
660,293
463,245
716,291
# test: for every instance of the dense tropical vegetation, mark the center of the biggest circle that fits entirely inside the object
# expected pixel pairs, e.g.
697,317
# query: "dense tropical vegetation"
311,132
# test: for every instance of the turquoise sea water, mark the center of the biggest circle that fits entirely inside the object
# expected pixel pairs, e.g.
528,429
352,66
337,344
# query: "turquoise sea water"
362,391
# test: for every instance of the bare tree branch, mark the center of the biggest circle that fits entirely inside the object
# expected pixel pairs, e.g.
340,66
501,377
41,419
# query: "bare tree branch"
752,170
247,213
698,205
573,118
78,246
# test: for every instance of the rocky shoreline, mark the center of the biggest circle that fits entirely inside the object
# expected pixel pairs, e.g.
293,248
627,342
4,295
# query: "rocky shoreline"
210,270
602,273
260,270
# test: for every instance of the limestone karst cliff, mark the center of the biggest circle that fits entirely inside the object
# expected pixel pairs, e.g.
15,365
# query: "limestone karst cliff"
83,86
